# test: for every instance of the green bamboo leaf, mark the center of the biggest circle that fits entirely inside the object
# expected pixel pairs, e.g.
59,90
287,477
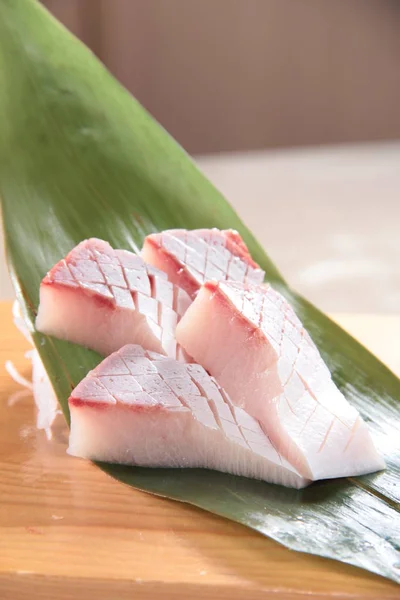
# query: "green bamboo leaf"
78,158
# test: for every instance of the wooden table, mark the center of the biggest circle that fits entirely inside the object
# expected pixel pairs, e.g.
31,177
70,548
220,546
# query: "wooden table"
68,531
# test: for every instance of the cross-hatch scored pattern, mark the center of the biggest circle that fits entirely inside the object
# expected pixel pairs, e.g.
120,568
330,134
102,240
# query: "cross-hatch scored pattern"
301,371
211,254
126,281
146,380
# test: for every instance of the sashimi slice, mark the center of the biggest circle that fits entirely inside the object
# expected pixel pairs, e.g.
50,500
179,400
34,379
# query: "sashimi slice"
192,257
250,339
142,408
104,298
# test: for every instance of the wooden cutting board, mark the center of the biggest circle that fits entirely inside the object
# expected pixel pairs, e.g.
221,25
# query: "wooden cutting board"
68,531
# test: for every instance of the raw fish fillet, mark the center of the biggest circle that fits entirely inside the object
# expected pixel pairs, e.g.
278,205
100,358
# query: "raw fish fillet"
141,408
104,298
192,257
250,339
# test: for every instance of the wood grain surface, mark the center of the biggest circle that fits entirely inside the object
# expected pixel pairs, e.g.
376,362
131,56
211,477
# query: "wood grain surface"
68,531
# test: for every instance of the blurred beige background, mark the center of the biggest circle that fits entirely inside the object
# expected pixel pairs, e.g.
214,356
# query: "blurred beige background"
292,108
248,74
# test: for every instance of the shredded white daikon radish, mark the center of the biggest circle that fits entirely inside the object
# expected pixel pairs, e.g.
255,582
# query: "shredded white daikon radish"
17,396
19,321
43,393
18,378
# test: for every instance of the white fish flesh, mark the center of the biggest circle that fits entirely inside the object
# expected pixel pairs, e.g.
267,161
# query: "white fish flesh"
142,408
249,338
192,257
103,299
